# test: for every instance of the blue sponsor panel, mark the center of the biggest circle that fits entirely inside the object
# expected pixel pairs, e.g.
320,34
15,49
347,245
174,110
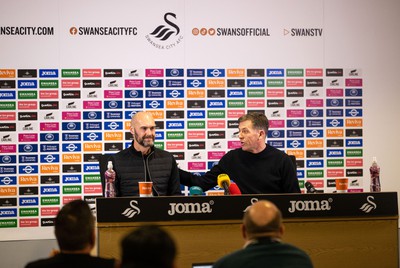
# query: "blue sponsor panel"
196,114
160,135
129,114
298,133
154,83
136,104
314,133
354,102
28,169
295,123
215,103
174,83
311,123
354,112
74,136
275,72
8,169
314,113
49,137
92,115
210,164
92,136
71,126
335,153
51,147
133,94
28,201
155,93
27,84
114,125
50,190
255,83
354,142
8,212
92,125
195,83
72,178
195,72
91,168
334,102
48,73
176,124
334,122
334,112
154,104
315,163
277,143
7,95
353,92
113,104
215,72
49,158
113,115
28,158
236,93
295,143
300,174
8,159
8,180
174,72
71,147
275,134
28,148
175,93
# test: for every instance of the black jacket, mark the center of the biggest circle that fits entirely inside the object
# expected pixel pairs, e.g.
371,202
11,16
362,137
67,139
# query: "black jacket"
158,166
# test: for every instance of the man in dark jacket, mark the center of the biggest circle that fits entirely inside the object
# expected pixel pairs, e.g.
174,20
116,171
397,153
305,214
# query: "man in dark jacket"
143,162
262,230
256,167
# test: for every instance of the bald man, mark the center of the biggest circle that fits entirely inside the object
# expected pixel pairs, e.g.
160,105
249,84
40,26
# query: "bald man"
143,162
262,230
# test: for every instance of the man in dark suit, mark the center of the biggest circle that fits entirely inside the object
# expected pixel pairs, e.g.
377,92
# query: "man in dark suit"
262,230
75,234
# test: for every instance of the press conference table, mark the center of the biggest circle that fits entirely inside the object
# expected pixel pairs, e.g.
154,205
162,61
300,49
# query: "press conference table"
336,230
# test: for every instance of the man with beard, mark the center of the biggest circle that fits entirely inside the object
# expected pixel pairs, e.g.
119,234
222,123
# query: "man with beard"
143,162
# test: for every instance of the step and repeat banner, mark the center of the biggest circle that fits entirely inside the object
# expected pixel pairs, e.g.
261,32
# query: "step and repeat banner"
72,75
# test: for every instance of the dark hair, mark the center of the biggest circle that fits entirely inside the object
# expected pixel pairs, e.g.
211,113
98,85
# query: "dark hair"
259,120
148,247
74,226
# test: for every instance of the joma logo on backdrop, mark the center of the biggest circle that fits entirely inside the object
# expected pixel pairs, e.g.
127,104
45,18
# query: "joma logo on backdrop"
166,36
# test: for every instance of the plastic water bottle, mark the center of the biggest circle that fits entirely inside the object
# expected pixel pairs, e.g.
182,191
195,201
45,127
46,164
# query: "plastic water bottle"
109,176
374,171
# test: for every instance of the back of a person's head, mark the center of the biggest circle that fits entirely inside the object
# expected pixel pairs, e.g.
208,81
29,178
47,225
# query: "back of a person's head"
148,247
74,226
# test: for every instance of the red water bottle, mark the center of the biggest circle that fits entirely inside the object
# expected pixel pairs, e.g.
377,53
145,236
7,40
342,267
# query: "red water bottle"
374,171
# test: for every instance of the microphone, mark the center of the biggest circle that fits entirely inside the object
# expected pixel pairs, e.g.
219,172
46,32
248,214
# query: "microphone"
224,182
234,189
310,187
195,190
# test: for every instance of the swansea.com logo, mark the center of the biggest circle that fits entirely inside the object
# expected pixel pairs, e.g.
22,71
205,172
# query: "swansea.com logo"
166,36
369,205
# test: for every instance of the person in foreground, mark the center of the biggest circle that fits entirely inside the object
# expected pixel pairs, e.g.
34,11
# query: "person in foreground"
148,247
143,162
75,234
256,167
262,230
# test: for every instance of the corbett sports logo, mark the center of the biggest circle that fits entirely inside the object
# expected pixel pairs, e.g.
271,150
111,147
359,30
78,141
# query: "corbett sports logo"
166,36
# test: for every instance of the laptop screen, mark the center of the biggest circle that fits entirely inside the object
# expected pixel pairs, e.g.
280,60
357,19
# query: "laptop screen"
202,265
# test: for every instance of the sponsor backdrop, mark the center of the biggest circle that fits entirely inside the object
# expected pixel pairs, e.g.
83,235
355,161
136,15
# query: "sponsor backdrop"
73,73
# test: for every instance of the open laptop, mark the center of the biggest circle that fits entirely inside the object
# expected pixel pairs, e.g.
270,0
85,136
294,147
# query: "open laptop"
202,265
